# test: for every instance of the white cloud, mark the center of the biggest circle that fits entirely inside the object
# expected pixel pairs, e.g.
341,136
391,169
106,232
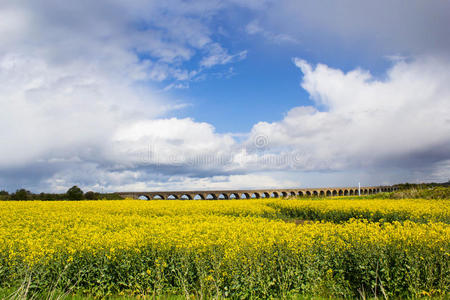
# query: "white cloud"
74,75
401,120
219,56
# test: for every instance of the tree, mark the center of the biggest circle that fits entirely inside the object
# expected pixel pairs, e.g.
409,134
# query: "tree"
21,194
91,195
74,193
4,193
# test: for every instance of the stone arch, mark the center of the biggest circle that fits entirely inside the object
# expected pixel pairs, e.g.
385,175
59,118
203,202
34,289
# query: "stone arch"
321,193
265,195
158,197
335,193
199,197
315,193
143,197
302,194
341,192
185,197
284,194
274,195
308,193
328,193
351,192
345,192
245,196
292,194
255,196
211,196
222,196
365,192
234,196
172,197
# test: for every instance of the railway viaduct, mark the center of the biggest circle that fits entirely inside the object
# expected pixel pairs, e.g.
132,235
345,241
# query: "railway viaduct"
248,194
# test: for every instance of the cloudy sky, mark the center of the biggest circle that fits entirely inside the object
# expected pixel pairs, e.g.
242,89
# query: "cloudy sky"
155,95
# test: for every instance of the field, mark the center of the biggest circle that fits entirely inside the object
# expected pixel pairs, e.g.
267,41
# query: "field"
335,247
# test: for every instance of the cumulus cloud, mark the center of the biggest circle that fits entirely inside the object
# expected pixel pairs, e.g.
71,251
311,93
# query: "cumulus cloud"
358,120
74,76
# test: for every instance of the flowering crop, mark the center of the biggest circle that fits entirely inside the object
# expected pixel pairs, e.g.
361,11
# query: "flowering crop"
341,209
231,248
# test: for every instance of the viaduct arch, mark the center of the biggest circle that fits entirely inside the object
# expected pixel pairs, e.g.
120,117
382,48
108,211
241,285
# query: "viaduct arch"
255,194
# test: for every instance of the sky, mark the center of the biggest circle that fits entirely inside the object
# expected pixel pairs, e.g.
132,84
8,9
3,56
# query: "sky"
144,95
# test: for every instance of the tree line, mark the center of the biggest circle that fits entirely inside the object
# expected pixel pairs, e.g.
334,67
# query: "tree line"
74,193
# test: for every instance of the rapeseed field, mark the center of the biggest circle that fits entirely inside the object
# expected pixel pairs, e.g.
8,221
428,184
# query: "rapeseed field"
260,248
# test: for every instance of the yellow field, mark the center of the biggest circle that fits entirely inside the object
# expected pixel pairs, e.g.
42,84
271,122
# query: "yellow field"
238,248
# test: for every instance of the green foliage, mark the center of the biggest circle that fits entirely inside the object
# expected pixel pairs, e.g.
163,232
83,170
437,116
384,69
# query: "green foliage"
91,195
21,194
438,192
394,269
74,193
4,193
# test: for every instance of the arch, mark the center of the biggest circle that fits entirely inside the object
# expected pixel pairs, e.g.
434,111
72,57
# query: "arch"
356,192
234,196
172,197
321,193
265,195
365,192
302,194
351,192
328,193
255,196
185,197
245,196
222,196
284,194
211,197
274,195
334,193
341,192
157,197
199,197
292,194
315,193
345,192
143,197
308,193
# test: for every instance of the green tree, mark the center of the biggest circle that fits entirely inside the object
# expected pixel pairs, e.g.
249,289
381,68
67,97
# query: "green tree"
4,193
74,193
91,195
21,194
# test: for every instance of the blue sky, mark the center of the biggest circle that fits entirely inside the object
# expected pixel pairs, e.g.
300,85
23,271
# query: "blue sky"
147,95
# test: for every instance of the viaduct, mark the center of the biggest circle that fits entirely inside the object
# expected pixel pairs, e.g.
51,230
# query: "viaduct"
248,194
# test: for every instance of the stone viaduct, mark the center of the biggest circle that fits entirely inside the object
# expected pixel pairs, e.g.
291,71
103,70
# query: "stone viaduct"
256,194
